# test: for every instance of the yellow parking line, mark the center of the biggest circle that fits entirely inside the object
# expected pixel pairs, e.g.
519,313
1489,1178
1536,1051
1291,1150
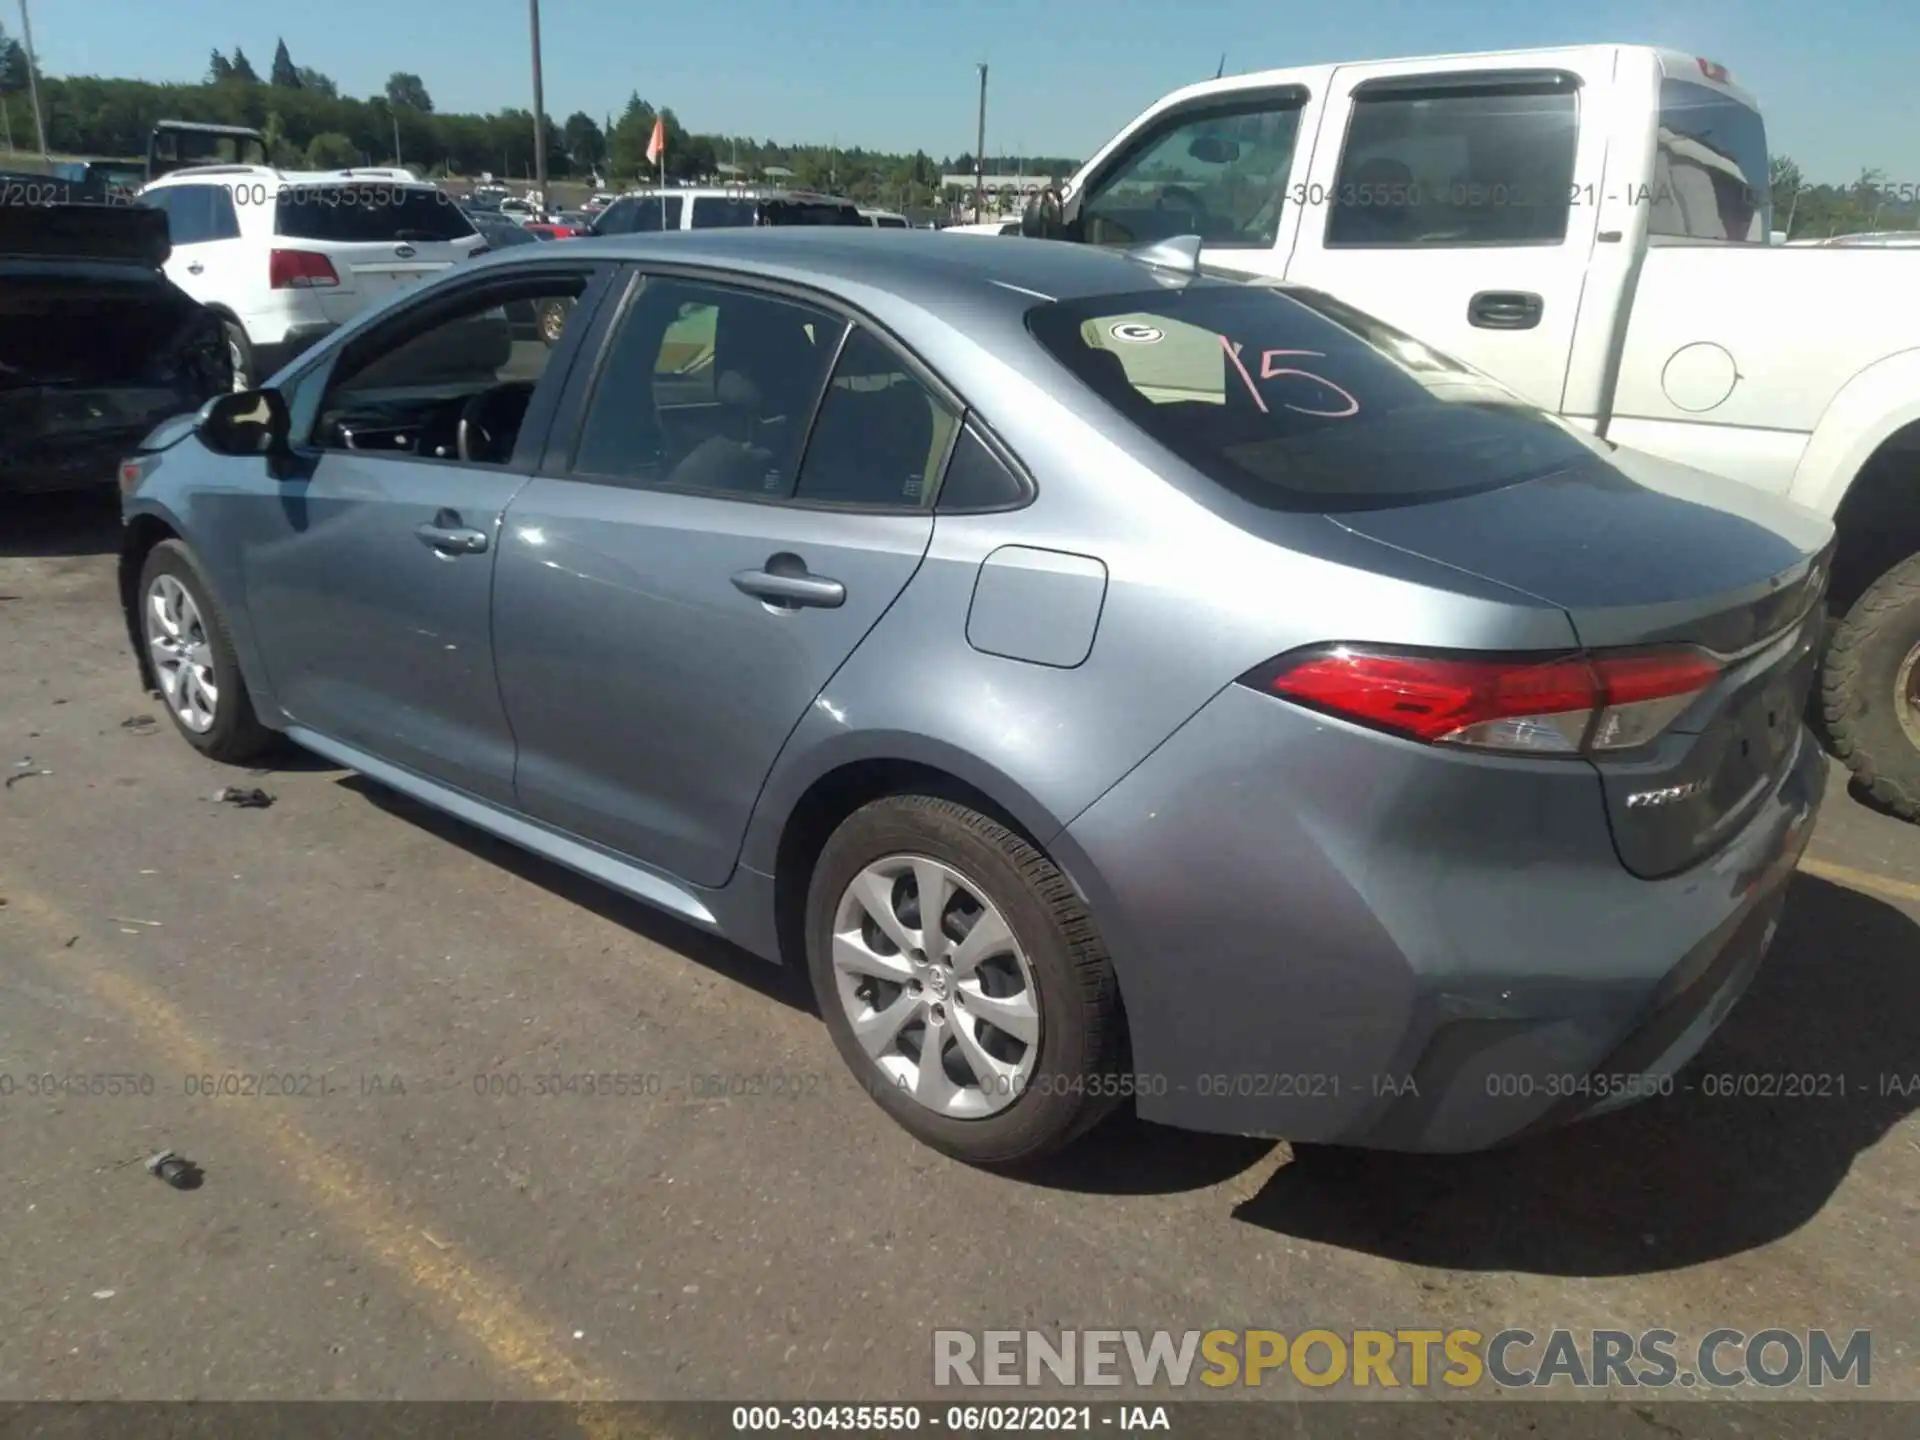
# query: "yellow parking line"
1860,879
469,1301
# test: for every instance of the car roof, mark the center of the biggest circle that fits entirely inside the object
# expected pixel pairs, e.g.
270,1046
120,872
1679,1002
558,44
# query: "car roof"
950,276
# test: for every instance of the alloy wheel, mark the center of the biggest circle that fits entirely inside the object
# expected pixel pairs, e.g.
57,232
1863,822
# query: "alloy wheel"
182,654
940,994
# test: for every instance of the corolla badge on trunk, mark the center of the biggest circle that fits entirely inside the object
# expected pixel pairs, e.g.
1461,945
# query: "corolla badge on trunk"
405,252
1666,795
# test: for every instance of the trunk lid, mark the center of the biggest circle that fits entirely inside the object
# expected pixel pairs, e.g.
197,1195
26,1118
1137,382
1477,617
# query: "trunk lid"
1641,552
96,345
380,238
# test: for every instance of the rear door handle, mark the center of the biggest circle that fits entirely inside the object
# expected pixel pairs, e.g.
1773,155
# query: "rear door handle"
451,539
195,268
1505,310
790,587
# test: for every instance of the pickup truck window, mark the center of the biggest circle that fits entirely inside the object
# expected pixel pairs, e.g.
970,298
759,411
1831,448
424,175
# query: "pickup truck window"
1455,166
1271,393
1710,178
1220,173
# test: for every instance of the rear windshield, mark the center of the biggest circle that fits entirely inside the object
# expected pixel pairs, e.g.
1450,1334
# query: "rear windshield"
1296,401
355,214
1711,177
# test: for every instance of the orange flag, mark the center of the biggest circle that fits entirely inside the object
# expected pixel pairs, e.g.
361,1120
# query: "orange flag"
657,146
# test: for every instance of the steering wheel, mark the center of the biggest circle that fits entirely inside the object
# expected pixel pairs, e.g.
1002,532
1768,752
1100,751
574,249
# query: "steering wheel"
1183,198
490,420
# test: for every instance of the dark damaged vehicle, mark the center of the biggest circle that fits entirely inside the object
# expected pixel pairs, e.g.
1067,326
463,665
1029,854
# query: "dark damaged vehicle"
97,346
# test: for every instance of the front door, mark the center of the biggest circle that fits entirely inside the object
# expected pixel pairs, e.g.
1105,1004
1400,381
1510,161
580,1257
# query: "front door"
668,607
369,574
1456,205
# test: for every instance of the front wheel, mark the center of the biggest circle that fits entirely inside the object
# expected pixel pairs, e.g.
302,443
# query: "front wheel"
193,659
1870,689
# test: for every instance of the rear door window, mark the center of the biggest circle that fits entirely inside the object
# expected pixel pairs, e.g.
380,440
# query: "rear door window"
1296,401
720,212
1449,164
880,437
365,214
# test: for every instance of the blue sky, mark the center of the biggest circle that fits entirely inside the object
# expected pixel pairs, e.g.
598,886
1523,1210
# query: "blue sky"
1837,84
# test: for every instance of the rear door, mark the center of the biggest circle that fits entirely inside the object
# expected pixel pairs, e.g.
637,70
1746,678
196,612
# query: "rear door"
379,237
209,258
677,589
1460,204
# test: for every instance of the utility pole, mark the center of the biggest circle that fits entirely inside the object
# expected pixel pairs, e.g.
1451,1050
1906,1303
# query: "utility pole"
395,116
539,110
33,80
979,151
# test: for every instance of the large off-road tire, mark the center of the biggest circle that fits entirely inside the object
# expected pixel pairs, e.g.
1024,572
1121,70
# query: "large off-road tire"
191,651
1035,965
1870,690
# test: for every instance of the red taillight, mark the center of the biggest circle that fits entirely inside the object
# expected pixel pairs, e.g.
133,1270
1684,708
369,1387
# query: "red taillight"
1713,72
300,270
1551,704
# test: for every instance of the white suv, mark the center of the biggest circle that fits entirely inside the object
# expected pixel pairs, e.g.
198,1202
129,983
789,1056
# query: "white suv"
284,257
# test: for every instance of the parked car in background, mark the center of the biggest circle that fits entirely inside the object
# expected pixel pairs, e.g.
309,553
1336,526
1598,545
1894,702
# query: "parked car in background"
96,345
544,322
722,208
284,257
885,219
985,227
1345,714
554,230
1590,226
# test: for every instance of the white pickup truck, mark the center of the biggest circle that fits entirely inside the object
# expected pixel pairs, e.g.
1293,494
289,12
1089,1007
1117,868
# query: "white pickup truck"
1590,226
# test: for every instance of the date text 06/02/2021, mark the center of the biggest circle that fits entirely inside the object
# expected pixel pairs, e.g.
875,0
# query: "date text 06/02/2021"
954,1419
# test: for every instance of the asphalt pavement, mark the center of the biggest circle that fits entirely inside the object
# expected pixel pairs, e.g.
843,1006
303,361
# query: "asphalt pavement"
417,1219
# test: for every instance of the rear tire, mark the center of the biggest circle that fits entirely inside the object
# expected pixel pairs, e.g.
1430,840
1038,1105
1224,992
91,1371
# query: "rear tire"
1870,690
216,716
240,353
1067,1084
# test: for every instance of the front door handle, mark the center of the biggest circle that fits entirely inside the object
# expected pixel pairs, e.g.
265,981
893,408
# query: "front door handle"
447,535
1505,310
785,583
195,268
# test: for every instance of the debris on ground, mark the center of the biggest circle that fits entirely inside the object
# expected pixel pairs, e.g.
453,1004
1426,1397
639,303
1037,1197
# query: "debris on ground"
130,920
247,797
178,1171
140,724
23,770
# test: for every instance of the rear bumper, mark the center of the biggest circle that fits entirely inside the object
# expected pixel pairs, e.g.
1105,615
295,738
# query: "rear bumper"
1331,936
55,441
269,360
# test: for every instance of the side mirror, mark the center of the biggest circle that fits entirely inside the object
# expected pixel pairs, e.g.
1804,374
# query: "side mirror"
247,422
1212,150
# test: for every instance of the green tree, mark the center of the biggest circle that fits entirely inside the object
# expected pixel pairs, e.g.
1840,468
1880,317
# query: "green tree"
410,91
627,145
219,68
243,68
312,79
284,74
332,151
585,145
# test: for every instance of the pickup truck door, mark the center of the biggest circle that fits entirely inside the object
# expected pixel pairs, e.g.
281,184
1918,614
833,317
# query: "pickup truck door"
1459,203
